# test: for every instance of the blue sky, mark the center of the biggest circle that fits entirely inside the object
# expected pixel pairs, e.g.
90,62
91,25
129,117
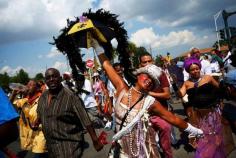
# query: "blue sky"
173,26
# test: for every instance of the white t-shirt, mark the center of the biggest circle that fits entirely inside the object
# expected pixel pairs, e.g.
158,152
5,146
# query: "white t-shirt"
215,67
186,75
111,89
89,99
227,64
206,67
227,58
72,84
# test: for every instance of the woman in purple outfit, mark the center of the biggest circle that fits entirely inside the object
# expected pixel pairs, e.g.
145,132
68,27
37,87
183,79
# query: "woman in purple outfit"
203,110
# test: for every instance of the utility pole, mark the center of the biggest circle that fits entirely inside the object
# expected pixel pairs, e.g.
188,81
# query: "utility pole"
151,50
217,33
225,18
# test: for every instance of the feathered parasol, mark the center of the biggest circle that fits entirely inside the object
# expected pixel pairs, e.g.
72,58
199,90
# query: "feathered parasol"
68,42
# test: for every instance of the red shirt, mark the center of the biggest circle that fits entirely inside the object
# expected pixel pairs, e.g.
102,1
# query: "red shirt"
163,83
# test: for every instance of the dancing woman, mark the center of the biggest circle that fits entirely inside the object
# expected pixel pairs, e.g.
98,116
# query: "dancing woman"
134,134
31,138
203,110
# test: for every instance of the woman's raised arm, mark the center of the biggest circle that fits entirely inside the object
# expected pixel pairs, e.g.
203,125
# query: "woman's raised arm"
116,80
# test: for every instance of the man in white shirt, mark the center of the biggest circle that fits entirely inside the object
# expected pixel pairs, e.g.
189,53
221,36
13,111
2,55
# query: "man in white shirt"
206,66
215,67
90,104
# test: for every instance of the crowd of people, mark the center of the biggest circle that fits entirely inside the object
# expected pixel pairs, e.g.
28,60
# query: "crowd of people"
52,117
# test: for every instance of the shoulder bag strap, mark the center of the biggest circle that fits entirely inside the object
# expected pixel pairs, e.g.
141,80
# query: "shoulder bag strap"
126,114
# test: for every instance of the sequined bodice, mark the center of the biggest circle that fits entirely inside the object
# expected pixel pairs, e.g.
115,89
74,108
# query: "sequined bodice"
141,138
120,110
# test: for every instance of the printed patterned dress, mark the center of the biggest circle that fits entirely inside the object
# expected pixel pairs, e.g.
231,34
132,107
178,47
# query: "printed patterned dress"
207,116
139,141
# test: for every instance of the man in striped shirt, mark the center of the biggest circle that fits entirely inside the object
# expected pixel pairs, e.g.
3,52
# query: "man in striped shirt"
63,117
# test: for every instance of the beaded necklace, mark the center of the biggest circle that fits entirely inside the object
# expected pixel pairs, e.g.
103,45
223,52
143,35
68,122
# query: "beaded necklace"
136,90
195,81
138,126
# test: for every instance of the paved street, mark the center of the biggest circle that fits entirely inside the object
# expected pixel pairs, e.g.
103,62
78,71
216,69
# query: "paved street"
91,153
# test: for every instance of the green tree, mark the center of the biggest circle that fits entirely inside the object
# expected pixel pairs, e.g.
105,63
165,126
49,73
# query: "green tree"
221,42
159,61
4,81
38,77
137,52
132,47
21,77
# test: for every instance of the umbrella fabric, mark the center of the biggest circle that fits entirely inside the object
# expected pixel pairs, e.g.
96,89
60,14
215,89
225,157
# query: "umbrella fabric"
7,111
81,26
83,30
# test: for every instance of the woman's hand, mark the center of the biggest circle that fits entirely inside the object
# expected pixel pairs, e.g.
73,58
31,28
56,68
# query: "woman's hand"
98,49
193,131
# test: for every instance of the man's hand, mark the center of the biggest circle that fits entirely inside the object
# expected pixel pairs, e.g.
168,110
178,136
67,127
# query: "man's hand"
97,145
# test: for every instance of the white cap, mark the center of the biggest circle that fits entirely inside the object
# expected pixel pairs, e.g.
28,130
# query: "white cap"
151,70
67,73
95,74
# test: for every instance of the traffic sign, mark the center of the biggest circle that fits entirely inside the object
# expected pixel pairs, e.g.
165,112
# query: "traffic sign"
89,63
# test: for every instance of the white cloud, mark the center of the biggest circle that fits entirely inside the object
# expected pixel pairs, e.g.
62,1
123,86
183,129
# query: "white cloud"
38,18
31,20
61,66
205,37
6,69
21,14
40,56
177,38
13,71
129,25
53,52
168,13
27,19
174,23
144,37
147,37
